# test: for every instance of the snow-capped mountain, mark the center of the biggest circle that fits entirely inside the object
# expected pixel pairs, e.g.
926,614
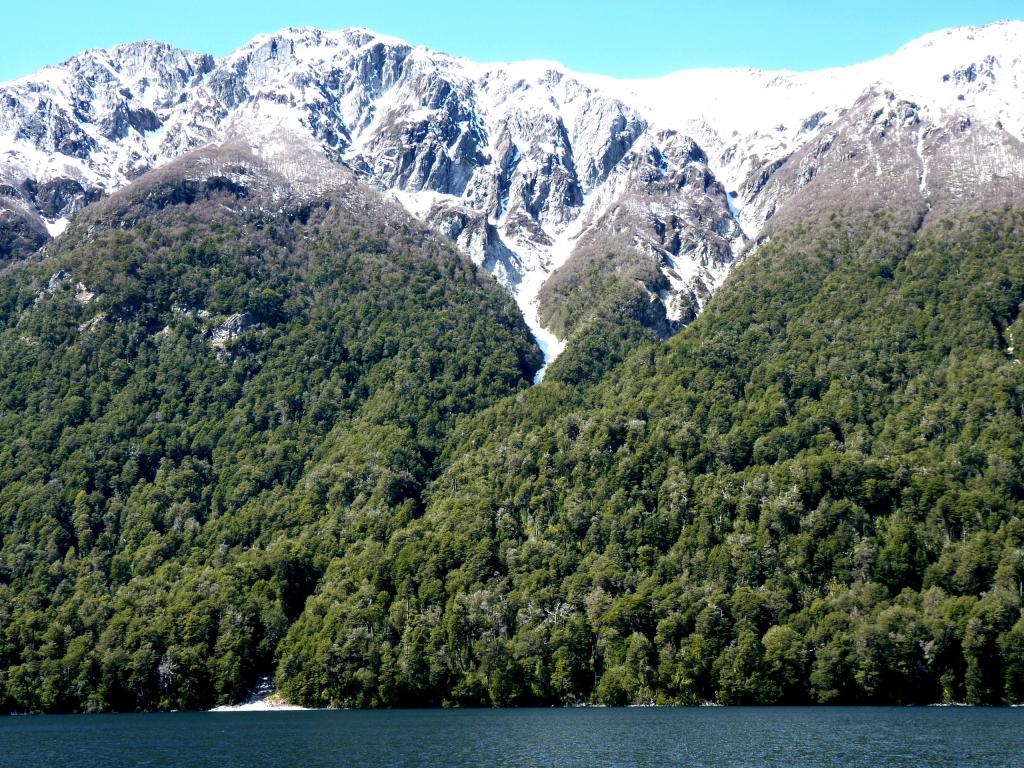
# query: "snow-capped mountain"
748,120
528,166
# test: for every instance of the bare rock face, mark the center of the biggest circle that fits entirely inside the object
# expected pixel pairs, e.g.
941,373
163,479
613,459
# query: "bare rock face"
868,158
533,171
889,153
229,330
513,161
667,224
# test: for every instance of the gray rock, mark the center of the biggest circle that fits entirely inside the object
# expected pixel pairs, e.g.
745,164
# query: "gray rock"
232,328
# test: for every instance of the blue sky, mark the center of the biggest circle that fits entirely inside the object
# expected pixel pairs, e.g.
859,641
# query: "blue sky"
626,38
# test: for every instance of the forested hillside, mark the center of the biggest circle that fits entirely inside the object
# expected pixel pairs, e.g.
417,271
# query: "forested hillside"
813,494
192,406
235,443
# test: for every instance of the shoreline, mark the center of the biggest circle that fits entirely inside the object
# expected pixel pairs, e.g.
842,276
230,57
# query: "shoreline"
274,703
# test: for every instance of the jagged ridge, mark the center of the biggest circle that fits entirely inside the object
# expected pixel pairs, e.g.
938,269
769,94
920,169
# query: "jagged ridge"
529,166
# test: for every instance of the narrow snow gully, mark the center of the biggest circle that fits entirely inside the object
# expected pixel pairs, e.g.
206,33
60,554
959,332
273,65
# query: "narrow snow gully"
527,292
527,296
919,147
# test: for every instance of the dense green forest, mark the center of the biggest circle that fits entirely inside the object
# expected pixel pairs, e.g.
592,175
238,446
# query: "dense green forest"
812,494
168,498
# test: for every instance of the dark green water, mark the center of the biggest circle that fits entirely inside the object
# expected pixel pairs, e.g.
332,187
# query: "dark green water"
793,738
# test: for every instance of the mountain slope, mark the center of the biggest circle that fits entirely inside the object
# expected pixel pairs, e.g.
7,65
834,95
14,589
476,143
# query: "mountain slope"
262,407
811,495
172,373
529,167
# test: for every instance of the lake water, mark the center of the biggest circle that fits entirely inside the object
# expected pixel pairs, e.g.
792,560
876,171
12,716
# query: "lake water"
723,738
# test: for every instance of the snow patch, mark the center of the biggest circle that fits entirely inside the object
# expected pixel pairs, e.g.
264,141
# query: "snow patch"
420,203
55,227
262,705
919,146
263,699
527,296
527,291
